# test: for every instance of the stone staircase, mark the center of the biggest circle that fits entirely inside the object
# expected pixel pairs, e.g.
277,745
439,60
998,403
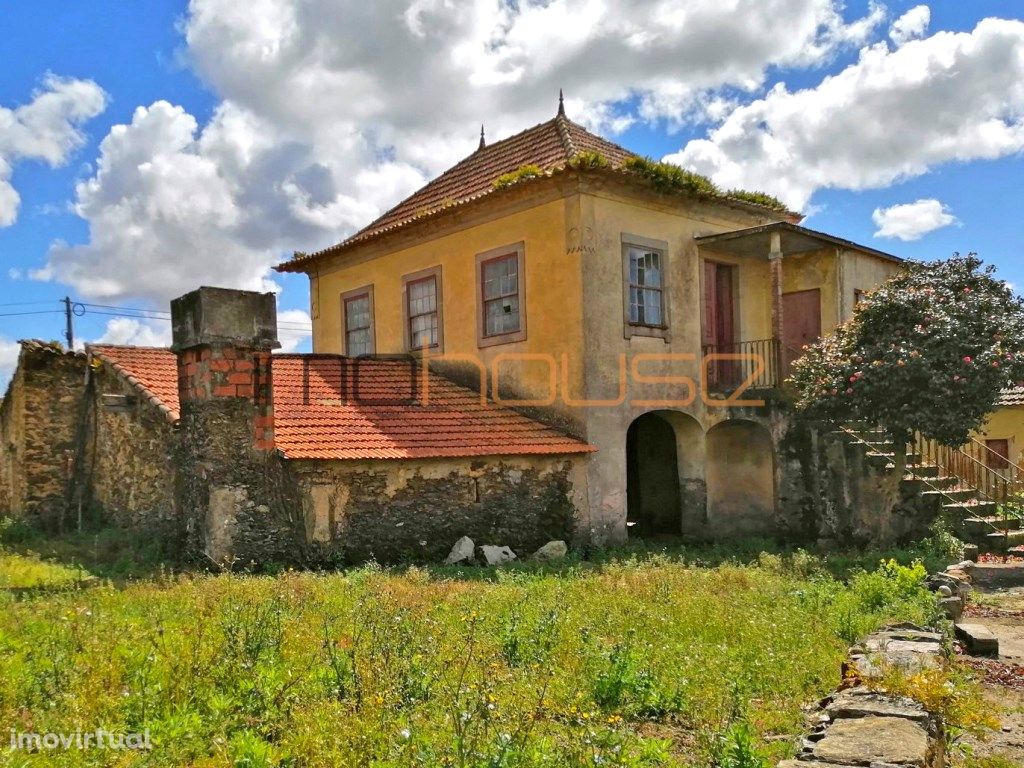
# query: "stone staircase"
970,493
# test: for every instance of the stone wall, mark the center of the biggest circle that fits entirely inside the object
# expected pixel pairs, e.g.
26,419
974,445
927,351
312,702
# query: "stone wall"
239,504
830,490
415,510
40,434
863,725
129,473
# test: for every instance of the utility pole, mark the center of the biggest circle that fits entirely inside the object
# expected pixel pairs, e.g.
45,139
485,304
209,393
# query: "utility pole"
69,334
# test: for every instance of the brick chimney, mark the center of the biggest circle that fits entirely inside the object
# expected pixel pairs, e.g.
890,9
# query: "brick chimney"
231,483
224,339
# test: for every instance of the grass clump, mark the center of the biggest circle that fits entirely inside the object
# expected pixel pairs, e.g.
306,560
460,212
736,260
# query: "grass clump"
588,159
759,198
528,171
636,662
666,177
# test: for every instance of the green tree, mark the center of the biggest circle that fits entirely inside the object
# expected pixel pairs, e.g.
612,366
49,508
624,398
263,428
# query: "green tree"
926,352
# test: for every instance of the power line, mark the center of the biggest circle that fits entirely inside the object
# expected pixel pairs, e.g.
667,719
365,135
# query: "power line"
37,312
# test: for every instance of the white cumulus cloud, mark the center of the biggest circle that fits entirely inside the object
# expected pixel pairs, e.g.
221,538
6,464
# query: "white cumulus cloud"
136,333
332,110
892,115
911,25
911,221
294,326
48,128
9,351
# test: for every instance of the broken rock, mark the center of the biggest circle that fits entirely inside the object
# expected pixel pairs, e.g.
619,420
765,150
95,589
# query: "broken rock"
461,553
493,555
553,550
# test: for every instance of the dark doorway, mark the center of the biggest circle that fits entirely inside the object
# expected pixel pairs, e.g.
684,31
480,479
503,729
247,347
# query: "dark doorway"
652,477
801,323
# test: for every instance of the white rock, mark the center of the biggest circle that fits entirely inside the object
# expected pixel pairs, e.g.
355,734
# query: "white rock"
494,555
553,550
945,591
462,552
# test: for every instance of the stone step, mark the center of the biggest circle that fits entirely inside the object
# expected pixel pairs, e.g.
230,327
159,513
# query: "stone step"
953,493
973,507
888,458
924,470
978,639
1002,540
993,523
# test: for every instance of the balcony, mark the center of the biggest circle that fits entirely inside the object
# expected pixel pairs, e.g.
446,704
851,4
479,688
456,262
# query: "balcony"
758,362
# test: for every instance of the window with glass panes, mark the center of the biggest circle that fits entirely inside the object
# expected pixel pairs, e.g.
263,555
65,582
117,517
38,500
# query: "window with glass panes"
500,288
422,312
646,285
358,326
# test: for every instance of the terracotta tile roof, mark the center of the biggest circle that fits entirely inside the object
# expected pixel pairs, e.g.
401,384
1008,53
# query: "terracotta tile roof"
549,145
151,370
334,407
1011,396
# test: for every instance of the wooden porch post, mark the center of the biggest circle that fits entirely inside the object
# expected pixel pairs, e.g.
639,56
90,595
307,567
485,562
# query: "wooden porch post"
775,265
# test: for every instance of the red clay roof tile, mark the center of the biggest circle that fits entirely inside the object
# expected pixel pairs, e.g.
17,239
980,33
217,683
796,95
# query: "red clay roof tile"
334,407
549,146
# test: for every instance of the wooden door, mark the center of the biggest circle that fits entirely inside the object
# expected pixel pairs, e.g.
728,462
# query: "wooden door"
998,454
719,333
801,323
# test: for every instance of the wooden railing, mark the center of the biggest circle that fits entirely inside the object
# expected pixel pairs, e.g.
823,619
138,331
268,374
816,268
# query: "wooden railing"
759,358
975,465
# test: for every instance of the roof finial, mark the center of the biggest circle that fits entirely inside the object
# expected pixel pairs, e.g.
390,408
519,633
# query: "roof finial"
561,104
483,141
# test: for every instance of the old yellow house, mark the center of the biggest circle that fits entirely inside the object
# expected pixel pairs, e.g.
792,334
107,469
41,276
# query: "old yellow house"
575,284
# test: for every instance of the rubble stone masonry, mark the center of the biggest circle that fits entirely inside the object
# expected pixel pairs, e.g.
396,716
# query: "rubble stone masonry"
39,433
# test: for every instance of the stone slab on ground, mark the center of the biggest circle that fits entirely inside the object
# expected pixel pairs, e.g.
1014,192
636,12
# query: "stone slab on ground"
863,702
979,639
867,740
991,575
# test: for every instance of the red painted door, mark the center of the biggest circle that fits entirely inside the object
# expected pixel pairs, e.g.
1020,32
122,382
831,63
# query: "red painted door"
801,322
998,454
719,316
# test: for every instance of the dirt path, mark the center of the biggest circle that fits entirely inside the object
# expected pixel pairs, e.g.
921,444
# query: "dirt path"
1003,613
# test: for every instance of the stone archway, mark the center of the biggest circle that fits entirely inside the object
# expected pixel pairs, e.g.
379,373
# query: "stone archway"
664,474
740,479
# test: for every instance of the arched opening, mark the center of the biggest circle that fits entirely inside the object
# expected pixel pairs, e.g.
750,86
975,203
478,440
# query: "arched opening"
740,479
652,477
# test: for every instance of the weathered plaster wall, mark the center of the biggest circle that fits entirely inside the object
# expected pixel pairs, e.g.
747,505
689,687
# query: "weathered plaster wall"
861,272
741,480
129,472
620,392
38,433
543,222
416,510
815,269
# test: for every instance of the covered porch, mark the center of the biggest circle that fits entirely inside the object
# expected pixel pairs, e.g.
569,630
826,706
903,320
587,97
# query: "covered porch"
770,290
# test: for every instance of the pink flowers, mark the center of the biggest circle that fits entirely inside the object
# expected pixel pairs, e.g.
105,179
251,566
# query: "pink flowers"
967,359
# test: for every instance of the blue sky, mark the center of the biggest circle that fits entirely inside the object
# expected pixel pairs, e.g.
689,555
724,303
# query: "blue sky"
257,137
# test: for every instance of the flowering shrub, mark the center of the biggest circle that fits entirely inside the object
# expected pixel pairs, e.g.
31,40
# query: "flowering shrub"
926,352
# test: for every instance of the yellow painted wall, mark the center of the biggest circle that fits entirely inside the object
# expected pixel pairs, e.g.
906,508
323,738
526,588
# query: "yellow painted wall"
864,272
552,290
1006,422
815,269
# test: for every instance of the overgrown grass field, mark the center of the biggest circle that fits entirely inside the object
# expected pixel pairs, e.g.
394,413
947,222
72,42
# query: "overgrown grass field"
634,662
